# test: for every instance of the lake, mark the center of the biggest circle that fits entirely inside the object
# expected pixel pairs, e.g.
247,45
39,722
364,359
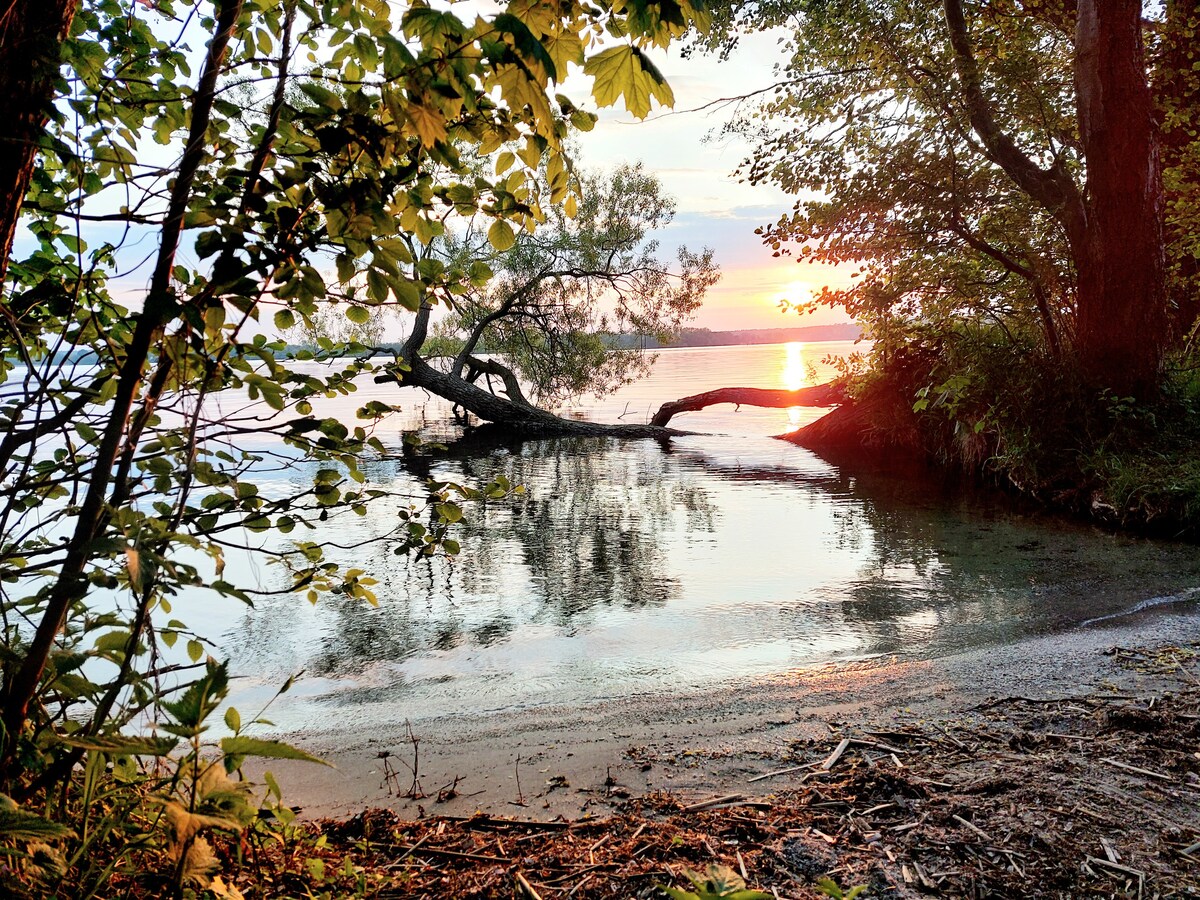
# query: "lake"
630,567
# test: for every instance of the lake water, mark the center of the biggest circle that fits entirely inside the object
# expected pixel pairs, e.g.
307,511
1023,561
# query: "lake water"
632,567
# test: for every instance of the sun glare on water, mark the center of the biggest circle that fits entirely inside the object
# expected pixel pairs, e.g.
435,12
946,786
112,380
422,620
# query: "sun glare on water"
794,375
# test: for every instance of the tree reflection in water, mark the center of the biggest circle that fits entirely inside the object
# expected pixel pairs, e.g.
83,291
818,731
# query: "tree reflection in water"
584,536
694,559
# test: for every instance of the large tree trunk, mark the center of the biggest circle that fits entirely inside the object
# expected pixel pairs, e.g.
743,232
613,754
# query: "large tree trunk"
1114,227
31,35
1121,331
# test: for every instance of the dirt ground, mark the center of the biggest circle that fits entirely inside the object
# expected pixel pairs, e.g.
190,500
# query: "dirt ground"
1065,766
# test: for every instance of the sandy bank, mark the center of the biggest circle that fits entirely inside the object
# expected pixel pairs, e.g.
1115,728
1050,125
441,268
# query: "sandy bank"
546,762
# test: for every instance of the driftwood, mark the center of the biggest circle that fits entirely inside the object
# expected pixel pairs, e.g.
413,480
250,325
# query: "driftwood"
515,413
829,394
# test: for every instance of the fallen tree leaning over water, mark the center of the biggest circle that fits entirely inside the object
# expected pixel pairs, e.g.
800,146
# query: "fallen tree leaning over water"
831,393
511,409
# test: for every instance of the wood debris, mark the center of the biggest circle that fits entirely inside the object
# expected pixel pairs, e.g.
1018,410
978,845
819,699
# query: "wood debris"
1020,797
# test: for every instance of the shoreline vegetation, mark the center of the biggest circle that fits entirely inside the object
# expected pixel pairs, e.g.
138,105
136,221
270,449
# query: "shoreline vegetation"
994,773
972,403
1023,236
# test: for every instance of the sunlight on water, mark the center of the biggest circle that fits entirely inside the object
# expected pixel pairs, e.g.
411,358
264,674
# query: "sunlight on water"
795,376
637,566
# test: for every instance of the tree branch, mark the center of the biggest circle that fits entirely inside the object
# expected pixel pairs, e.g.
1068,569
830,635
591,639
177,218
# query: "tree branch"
492,367
828,394
1052,188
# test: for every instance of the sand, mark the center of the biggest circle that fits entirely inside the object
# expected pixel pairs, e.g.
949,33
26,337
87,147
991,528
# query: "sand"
573,761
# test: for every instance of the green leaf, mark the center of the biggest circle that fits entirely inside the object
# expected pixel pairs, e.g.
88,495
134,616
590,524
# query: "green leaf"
529,47
285,319
320,95
626,72
265,749
121,744
16,824
501,235
233,719
359,315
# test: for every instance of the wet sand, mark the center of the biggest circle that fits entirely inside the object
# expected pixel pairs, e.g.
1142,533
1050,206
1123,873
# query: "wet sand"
546,762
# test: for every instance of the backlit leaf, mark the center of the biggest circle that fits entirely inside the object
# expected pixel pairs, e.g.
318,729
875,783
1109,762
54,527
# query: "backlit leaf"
501,235
626,72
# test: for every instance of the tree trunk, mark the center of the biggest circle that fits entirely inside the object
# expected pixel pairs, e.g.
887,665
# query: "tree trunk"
1114,227
1121,329
522,418
829,394
31,35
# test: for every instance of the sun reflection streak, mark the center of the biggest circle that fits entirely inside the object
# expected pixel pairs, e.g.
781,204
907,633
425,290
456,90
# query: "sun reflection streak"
795,376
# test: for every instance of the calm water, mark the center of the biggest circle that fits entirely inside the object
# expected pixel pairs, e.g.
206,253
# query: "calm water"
631,566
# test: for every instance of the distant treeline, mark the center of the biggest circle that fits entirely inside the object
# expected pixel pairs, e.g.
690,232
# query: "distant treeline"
689,337
703,337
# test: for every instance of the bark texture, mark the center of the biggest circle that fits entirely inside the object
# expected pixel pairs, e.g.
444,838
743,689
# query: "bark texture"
31,35
1177,91
829,394
1122,322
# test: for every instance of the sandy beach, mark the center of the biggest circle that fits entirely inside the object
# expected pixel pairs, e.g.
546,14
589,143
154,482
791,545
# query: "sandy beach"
547,762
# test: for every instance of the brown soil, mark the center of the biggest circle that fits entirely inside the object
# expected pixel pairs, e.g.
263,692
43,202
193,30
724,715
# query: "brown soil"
1093,793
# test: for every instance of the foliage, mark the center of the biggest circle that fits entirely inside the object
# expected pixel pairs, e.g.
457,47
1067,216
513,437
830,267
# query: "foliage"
957,155
718,883
942,150
140,797
830,888
986,402
589,269
867,126
211,168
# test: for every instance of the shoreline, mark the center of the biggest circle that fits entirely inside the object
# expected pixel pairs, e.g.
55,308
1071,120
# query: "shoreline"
548,762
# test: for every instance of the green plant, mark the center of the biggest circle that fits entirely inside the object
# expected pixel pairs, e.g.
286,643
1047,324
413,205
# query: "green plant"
830,888
137,797
717,883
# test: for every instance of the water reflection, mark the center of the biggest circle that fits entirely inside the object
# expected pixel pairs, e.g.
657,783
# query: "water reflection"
583,539
631,566
796,372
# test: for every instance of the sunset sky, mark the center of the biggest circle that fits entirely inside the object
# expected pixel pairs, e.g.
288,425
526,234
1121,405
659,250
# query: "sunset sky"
714,209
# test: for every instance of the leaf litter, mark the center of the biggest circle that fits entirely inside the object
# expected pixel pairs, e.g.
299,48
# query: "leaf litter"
1096,795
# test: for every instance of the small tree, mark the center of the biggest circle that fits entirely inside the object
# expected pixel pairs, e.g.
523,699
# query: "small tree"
563,291
167,215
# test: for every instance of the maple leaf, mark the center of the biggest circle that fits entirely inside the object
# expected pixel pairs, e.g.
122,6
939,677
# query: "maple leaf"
627,72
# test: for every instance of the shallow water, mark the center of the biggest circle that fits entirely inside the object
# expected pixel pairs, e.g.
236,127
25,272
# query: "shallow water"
631,567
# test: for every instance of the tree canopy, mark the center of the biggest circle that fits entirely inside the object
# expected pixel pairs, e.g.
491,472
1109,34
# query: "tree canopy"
187,173
562,290
989,162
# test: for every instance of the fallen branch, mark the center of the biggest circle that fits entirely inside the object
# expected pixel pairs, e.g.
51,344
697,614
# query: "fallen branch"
833,757
829,394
